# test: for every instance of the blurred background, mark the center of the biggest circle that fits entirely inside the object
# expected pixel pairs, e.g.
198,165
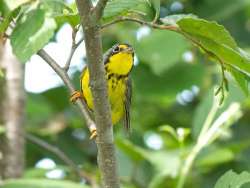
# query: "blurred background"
173,84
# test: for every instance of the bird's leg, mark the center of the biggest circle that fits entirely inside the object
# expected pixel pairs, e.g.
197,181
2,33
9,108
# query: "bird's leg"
75,95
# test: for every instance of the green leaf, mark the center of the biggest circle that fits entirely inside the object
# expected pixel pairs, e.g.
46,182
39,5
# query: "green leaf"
56,7
2,129
41,183
157,5
134,152
173,19
207,29
214,156
6,21
27,40
72,19
241,78
166,163
220,10
1,73
119,7
233,180
11,5
205,105
161,56
216,41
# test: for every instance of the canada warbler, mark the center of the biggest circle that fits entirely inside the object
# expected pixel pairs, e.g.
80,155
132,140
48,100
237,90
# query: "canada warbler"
118,62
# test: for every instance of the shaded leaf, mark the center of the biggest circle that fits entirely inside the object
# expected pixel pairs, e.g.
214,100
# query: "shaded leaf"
27,40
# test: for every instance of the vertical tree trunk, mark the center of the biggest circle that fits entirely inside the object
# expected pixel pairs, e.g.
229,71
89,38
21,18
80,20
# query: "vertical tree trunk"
12,103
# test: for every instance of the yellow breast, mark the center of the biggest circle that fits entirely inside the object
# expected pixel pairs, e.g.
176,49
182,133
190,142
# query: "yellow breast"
117,70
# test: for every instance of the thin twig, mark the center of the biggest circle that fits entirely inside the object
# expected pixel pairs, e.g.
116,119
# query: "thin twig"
60,154
72,51
65,78
142,22
99,8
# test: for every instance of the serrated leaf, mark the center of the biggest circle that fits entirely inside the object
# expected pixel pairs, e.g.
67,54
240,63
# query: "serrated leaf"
233,180
207,29
41,183
173,19
31,34
119,7
218,43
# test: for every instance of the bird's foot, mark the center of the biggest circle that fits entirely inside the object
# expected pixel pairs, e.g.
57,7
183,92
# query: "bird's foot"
93,133
76,95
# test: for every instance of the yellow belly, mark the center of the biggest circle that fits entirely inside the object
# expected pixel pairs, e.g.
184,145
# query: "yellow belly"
116,94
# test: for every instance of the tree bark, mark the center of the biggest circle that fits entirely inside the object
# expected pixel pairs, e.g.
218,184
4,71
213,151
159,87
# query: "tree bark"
12,103
90,17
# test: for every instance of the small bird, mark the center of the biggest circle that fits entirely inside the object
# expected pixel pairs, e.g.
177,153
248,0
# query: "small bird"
118,62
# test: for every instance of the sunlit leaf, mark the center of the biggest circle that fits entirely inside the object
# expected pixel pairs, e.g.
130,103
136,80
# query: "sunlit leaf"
174,18
11,5
207,29
214,156
233,180
27,40
6,20
205,105
241,79
119,7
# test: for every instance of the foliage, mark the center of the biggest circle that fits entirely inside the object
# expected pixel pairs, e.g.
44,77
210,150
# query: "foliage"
232,179
173,92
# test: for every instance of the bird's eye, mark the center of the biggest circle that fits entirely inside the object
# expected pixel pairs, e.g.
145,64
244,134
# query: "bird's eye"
116,49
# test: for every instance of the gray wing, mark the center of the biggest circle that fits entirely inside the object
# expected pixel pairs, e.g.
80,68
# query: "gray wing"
127,104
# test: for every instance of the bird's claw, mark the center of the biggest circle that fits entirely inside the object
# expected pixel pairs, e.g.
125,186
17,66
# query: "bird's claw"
75,95
93,134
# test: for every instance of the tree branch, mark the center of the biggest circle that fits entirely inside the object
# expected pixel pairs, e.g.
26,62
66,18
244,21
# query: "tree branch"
99,8
74,46
105,145
64,76
61,155
142,22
